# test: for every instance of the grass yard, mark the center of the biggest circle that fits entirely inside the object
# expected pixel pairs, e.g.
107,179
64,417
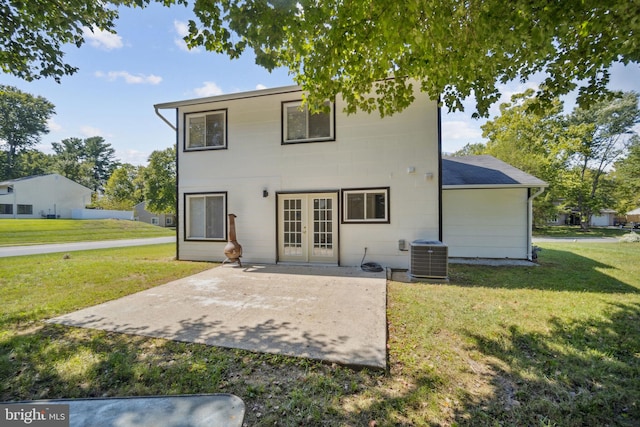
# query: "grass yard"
554,345
15,232
576,231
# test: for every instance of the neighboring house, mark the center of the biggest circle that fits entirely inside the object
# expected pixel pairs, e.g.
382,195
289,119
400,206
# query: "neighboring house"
42,196
143,215
325,188
487,208
606,218
634,216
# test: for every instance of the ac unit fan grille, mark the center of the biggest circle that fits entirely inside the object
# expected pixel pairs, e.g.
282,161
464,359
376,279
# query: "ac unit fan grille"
429,259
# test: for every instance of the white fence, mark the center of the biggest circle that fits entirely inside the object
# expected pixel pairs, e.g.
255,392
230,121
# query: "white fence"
100,214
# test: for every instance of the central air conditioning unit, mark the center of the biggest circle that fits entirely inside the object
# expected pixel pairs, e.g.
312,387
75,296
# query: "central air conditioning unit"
429,259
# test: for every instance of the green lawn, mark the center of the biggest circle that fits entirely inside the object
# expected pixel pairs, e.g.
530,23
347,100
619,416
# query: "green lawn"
40,231
576,231
552,345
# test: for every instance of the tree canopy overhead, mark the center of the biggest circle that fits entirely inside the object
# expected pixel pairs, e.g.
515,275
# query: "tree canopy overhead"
453,48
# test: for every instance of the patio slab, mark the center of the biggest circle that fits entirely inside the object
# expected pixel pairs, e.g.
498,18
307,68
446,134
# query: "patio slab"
334,314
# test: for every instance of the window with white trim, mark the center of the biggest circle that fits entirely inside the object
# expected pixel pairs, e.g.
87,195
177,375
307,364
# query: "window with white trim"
300,125
205,130
206,216
370,205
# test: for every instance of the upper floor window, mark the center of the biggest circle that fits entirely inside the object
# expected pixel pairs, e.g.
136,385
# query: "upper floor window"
300,125
205,130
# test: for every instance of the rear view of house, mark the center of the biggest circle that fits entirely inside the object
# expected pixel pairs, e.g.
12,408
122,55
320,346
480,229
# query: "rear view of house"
42,196
306,188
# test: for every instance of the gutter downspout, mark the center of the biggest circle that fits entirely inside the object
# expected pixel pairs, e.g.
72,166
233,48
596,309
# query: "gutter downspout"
440,231
164,119
177,215
530,221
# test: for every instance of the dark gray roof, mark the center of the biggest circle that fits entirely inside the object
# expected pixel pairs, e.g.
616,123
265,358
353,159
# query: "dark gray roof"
484,171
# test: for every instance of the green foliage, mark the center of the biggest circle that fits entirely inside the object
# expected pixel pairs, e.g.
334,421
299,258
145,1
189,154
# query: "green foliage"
160,181
124,189
452,49
626,174
532,142
23,119
604,134
89,162
33,33
471,150
33,162
572,153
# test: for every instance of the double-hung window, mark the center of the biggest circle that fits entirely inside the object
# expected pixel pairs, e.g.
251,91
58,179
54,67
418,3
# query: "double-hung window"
205,130
301,125
205,216
370,205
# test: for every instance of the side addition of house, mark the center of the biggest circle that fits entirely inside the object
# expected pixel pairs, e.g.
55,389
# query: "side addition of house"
306,188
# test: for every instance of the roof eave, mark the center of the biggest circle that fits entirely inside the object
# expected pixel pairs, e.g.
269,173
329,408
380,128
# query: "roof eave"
228,97
492,186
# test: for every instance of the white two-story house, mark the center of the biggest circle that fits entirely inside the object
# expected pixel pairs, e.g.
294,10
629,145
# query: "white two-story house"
306,188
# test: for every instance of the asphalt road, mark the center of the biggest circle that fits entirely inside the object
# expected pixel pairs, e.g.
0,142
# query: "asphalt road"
9,251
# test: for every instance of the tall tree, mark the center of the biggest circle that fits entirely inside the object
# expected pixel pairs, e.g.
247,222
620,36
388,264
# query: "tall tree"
101,155
452,48
605,132
535,142
23,120
124,189
160,181
626,174
88,161
33,162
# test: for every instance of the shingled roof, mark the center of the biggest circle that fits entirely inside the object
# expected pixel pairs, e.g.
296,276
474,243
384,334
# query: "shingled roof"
484,172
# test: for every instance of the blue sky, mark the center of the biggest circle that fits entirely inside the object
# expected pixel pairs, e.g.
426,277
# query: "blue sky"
122,76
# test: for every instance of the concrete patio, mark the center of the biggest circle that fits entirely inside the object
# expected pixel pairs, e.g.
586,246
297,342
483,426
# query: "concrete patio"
334,314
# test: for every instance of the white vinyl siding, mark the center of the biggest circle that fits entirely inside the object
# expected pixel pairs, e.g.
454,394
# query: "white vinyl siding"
369,153
485,223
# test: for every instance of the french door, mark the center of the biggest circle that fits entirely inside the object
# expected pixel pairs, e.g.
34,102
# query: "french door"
308,228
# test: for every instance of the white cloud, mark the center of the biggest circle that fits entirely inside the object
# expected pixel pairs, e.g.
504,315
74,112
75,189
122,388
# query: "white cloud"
182,30
456,130
133,157
89,131
130,78
53,126
102,39
260,86
208,89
